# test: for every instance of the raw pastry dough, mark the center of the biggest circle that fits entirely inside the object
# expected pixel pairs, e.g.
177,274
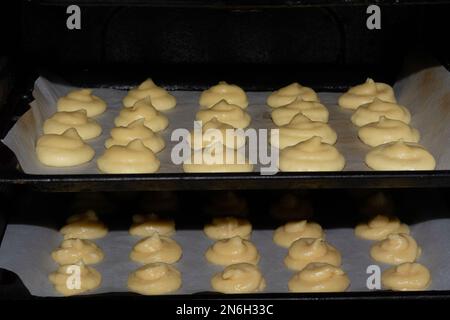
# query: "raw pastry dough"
239,278
213,132
406,277
366,93
230,251
400,155
228,227
75,250
387,130
285,235
159,97
311,155
307,250
84,226
132,158
63,150
90,279
288,94
373,111
397,248
311,109
146,225
155,278
156,248
143,109
319,277
82,99
61,121
227,113
380,227
231,93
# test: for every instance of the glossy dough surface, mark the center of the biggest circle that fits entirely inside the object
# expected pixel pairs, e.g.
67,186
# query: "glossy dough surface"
380,227
143,109
146,225
239,278
285,235
290,93
61,121
230,251
231,93
155,278
406,277
228,227
82,99
373,111
75,250
366,93
396,249
227,113
156,248
159,97
84,226
319,277
90,279
311,109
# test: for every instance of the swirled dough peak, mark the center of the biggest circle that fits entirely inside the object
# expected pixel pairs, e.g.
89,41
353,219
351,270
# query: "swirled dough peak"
400,155
290,93
366,93
307,250
82,99
61,121
216,132
373,111
301,129
228,227
143,109
146,225
311,109
380,227
156,248
63,150
231,93
311,155
230,251
319,277
406,277
84,226
154,279
225,112
239,278
132,158
159,97
285,235
89,279
121,136
387,130
396,249
74,250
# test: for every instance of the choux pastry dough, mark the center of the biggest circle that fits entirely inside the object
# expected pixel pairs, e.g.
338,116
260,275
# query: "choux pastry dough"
227,113
216,132
154,279
146,225
285,235
373,111
231,93
380,227
61,121
396,249
142,109
311,109
84,226
230,251
319,277
159,97
82,99
63,150
288,94
239,278
407,276
75,250
228,227
156,248
90,279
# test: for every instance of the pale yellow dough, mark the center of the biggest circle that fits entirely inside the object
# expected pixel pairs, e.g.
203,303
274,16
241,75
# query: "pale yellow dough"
156,248
230,251
239,278
307,250
159,97
143,109
146,225
373,111
396,249
132,158
400,155
216,132
61,121
227,113
75,250
290,93
154,279
82,99
84,226
63,150
90,279
311,109
231,93
366,93
311,155
228,227
406,277
380,227
285,235
319,277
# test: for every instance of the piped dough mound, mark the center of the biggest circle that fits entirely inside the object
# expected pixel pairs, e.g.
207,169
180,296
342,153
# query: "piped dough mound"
90,279
290,93
319,277
400,155
75,250
285,235
311,109
230,114
231,251
154,279
84,226
159,97
215,132
231,93
146,225
311,155
406,277
396,249
366,93
307,250
228,227
373,111
82,99
61,121
239,278
132,158
63,150
380,227
142,109
156,248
